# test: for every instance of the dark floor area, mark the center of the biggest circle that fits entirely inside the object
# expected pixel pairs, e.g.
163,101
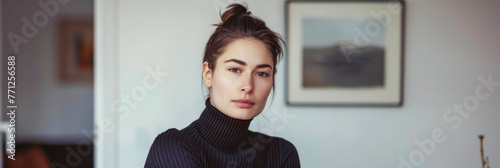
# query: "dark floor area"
51,156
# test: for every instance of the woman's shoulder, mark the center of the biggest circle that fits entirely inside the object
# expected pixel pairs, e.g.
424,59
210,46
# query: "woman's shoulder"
284,145
287,152
170,145
287,145
174,141
171,136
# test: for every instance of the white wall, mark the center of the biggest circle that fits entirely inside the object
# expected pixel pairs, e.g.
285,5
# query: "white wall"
449,45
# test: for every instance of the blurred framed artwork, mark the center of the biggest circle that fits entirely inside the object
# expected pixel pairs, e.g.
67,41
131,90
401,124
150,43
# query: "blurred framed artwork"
345,53
76,49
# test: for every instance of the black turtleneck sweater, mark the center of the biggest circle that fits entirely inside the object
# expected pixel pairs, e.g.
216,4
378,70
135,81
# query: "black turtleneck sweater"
217,140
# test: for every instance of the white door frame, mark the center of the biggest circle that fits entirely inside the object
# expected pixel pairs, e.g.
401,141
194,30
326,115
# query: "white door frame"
106,83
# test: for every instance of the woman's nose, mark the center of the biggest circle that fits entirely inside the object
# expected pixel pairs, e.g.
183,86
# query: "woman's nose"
247,84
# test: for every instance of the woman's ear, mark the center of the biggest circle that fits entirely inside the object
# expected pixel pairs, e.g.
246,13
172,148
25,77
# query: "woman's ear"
207,74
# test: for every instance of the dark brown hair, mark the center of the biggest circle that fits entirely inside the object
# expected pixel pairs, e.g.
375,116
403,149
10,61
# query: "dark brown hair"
238,23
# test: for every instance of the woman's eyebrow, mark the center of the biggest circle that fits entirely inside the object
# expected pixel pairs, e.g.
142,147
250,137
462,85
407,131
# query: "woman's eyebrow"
264,66
244,63
236,61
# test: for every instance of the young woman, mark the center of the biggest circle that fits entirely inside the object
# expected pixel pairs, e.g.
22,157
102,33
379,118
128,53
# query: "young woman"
239,66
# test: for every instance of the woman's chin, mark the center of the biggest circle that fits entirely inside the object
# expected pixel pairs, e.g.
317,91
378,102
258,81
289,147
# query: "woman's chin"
244,114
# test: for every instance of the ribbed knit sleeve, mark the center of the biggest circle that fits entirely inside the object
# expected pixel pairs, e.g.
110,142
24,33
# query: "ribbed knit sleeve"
169,149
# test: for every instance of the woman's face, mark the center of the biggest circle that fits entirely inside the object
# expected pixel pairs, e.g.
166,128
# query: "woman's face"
242,80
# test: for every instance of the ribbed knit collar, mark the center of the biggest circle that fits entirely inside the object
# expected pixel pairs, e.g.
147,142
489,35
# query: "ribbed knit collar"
221,131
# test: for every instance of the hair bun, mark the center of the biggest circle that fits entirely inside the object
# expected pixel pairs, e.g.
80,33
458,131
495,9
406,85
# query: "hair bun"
233,11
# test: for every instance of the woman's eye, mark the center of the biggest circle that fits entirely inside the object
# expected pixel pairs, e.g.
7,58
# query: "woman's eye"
234,70
263,74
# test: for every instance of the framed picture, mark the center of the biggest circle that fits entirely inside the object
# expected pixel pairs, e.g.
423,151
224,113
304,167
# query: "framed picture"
345,53
76,49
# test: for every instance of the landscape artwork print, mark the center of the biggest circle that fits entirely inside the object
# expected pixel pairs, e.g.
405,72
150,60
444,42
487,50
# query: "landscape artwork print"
342,53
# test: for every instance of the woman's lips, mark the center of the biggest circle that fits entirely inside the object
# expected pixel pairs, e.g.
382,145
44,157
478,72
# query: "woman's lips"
244,103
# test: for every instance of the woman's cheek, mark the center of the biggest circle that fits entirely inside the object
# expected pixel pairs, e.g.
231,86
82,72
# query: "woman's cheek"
265,88
225,82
